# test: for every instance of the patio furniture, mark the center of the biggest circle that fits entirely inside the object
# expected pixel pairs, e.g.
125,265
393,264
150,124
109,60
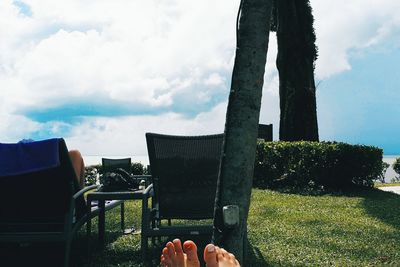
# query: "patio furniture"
185,172
103,197
108,165
40,196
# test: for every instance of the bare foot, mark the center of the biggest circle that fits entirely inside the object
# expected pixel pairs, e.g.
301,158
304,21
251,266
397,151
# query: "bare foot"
173,255
219,257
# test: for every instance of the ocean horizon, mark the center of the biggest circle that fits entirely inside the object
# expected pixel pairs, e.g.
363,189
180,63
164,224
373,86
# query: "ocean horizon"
144,159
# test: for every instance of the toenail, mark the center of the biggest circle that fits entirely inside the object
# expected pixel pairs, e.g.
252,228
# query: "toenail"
211,248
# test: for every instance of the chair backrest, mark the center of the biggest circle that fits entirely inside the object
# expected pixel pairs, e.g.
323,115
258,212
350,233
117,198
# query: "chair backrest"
109,165
185,172
42,196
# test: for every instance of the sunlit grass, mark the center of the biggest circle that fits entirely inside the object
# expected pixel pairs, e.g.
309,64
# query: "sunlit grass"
352,229
359,229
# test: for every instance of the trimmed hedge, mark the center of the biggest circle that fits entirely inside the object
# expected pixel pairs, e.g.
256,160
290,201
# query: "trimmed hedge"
327,164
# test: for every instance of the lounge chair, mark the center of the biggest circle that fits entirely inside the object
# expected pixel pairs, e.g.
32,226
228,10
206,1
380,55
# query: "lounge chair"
40,196
185,172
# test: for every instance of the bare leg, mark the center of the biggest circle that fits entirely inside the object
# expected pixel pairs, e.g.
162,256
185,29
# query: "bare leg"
79,166
173,255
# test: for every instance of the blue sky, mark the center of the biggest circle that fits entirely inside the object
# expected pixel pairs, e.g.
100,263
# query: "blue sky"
102,73
362,104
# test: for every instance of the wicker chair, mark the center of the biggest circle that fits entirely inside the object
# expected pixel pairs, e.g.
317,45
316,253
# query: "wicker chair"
45,205
108,165
184,171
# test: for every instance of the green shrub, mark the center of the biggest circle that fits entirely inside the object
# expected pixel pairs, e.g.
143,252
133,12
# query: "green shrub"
91,174
326,164
381,177
396,166
137,168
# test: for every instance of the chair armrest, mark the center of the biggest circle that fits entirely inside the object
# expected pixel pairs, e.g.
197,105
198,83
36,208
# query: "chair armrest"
146,212
71,216
147,192
84,190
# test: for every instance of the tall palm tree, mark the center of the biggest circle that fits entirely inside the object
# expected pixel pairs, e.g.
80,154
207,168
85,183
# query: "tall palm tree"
297,53
236,172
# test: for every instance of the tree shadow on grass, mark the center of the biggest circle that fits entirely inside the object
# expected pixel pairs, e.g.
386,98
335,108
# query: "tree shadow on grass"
254,257
52,254
382,205
46,255
377,203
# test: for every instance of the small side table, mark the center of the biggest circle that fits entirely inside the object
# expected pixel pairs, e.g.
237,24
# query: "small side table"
101,197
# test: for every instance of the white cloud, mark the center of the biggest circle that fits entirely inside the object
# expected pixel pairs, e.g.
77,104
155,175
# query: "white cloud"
214,79
16,127
148,53
126,135
142,52
342,26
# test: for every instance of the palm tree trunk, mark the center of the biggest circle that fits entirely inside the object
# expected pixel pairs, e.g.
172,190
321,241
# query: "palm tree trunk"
295,62
237,165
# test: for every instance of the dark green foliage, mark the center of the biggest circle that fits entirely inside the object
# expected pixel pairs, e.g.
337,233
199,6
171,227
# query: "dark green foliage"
396,166
306,19
385,166
137,168
274,18
316,165
91,173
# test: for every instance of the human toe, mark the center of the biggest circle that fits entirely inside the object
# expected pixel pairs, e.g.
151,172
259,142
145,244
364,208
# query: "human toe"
179,259
210,255
165,258
170,250
190,249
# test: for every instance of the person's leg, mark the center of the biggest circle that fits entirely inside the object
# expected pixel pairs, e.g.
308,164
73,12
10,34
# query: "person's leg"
79,166
173,255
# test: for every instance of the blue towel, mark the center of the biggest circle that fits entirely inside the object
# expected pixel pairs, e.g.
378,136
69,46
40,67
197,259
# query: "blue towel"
28,156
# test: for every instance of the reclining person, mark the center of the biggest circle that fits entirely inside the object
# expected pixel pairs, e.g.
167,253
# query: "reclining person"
79,166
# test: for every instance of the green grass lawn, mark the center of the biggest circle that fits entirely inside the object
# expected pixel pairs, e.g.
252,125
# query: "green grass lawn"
350,229
358,229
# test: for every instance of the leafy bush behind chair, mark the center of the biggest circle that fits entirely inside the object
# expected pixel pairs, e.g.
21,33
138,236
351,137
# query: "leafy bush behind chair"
91,174
327,164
